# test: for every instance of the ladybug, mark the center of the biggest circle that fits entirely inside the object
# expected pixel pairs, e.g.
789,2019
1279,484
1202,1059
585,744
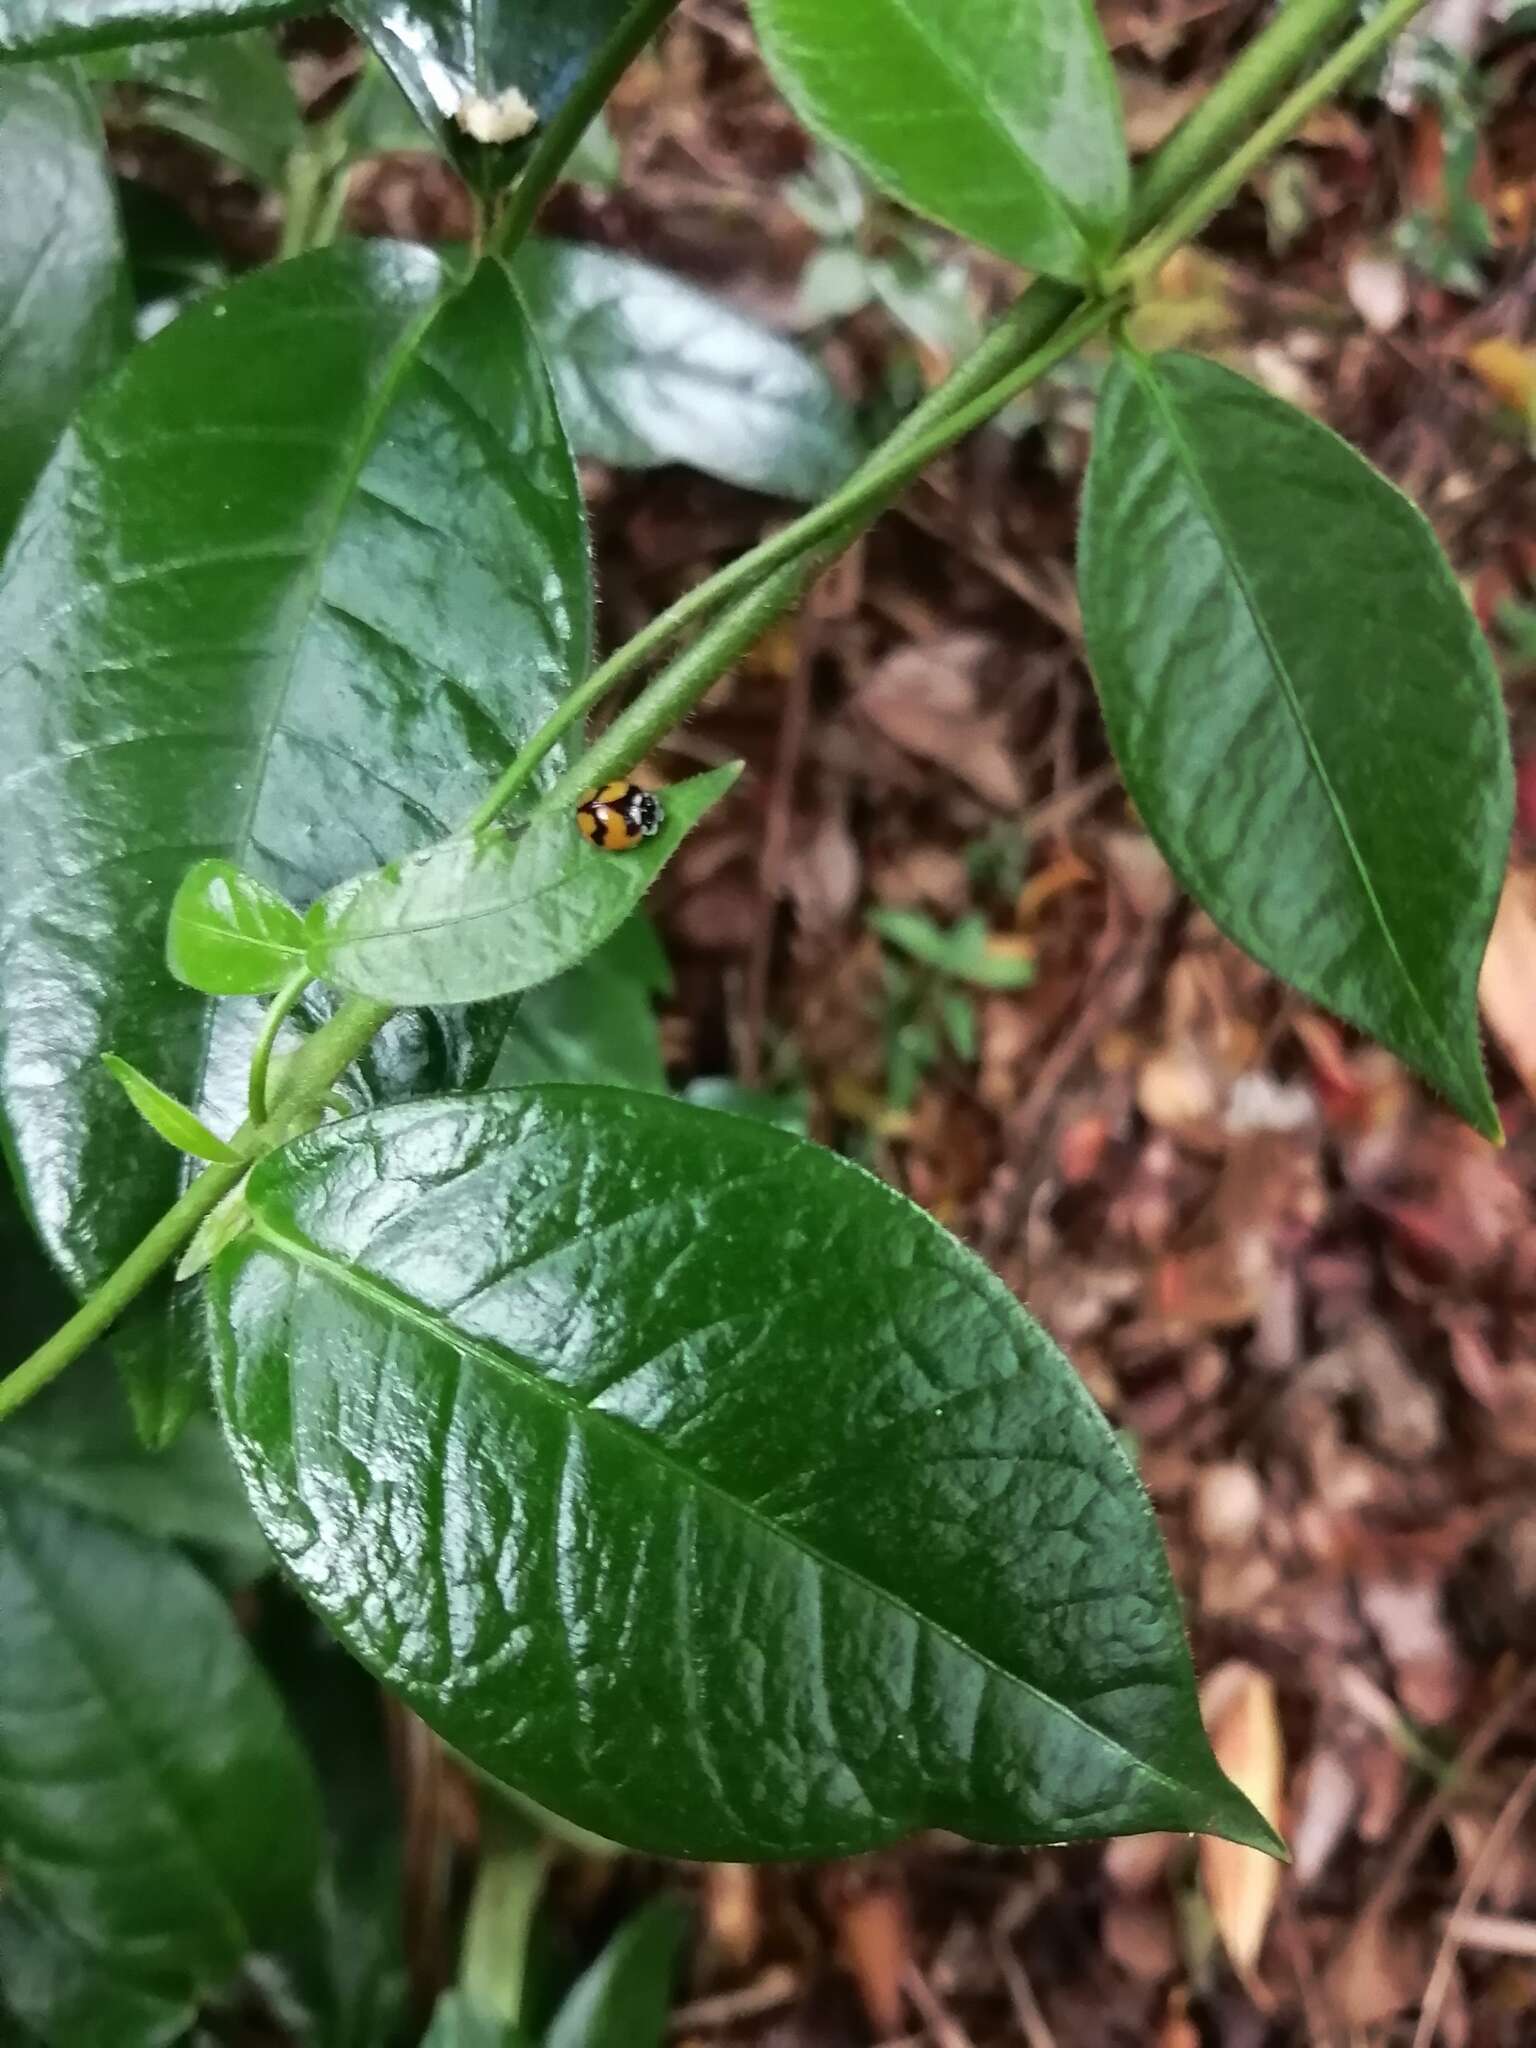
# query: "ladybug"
619,815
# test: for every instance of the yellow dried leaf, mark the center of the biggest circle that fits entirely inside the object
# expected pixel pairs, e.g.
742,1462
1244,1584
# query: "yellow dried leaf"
1508,371
1242,1719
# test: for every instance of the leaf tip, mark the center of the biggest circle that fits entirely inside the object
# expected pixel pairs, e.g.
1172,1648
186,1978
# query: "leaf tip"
1237,1819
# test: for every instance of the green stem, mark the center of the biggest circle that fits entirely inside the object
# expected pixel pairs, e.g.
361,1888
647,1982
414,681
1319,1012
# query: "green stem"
1185,219
851,508
1192,177
322,1060
575,116
1257,78
121,1287
772,572
279,1010
1192,153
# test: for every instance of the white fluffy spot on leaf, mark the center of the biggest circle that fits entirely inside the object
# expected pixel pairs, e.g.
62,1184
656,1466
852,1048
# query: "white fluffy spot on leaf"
507,117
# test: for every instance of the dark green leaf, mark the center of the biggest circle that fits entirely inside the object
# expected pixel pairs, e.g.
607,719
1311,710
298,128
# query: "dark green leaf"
75,1439
170,258
352,1979
624,1998
651,370
502,911
595,1023
43,28
999,119
292,590
77,1442
773,1526
69,1998
230,935
445,52
153,1805
1302,704
167,1117
64,312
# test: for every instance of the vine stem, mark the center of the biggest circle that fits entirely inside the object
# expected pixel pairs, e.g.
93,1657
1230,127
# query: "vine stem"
1195,173
279,1010
577,113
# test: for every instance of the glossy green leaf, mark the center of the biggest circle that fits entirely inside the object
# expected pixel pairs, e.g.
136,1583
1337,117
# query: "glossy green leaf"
44,28
502,911
595,1023
999,117
68,1998
293,589
651,370
1302,704
443,53
624,1998
153,1805
167,1117
231,935
733,1509
64,313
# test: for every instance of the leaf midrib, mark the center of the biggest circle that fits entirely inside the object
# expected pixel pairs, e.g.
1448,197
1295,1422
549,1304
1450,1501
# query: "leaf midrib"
1161,401
287,1243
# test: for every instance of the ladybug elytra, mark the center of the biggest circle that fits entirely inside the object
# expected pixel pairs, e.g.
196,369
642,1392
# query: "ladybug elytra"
619,815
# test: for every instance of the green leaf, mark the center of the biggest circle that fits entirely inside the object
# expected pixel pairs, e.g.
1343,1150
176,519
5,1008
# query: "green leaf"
64,314
595,1023
170,1119
441,52
230,94
45,28
651,370
230,935
967,951
1302,704
68,1996
76,1442
999,118
456,2023
296,585
170,258
773,1526
153,1805
624,1998
497,912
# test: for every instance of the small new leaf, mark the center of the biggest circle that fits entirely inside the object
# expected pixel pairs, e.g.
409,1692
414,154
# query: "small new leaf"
163,1113
231,935
500,911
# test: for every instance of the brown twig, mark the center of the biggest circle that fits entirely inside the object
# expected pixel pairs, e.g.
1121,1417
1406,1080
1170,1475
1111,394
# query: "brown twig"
1484,1866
